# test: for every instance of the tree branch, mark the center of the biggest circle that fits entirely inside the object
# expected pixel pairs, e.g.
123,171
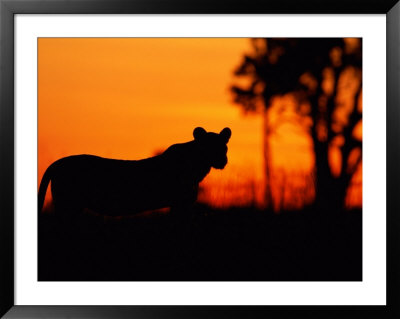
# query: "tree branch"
353,169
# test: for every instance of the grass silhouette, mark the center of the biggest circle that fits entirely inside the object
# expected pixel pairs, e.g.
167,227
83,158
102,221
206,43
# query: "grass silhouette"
234,244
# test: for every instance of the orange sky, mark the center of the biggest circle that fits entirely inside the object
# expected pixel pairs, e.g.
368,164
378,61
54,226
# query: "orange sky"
129,98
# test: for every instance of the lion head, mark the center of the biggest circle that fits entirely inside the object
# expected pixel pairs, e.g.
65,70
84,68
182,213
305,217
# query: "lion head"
212,146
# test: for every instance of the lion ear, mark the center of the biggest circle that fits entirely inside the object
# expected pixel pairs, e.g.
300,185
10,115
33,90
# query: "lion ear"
226,134
198,132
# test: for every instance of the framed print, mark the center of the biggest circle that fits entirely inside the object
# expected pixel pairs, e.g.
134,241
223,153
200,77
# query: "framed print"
165,159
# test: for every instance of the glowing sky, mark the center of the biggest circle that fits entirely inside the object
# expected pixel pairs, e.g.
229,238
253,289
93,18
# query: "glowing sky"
129,98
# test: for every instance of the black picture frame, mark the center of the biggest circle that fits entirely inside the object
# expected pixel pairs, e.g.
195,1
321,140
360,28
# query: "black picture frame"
8,8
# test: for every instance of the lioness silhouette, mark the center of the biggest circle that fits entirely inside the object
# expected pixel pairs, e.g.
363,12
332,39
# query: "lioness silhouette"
125,187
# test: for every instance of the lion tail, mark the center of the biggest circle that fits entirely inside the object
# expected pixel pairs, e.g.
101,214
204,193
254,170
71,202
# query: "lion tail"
43,187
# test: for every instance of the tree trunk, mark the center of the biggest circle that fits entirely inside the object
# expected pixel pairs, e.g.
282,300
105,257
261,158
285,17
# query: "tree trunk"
323,176
267,164
330,191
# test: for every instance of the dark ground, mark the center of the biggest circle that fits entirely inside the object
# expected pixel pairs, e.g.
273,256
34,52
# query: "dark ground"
232,245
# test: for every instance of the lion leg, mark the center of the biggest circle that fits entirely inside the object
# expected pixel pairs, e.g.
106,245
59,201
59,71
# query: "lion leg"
181,213
182,208
67,213
68,203
182,218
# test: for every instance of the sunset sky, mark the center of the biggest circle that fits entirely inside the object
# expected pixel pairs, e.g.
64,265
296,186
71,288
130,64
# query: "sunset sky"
131,98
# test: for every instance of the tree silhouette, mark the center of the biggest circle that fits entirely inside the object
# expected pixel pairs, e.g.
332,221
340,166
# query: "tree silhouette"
325,77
